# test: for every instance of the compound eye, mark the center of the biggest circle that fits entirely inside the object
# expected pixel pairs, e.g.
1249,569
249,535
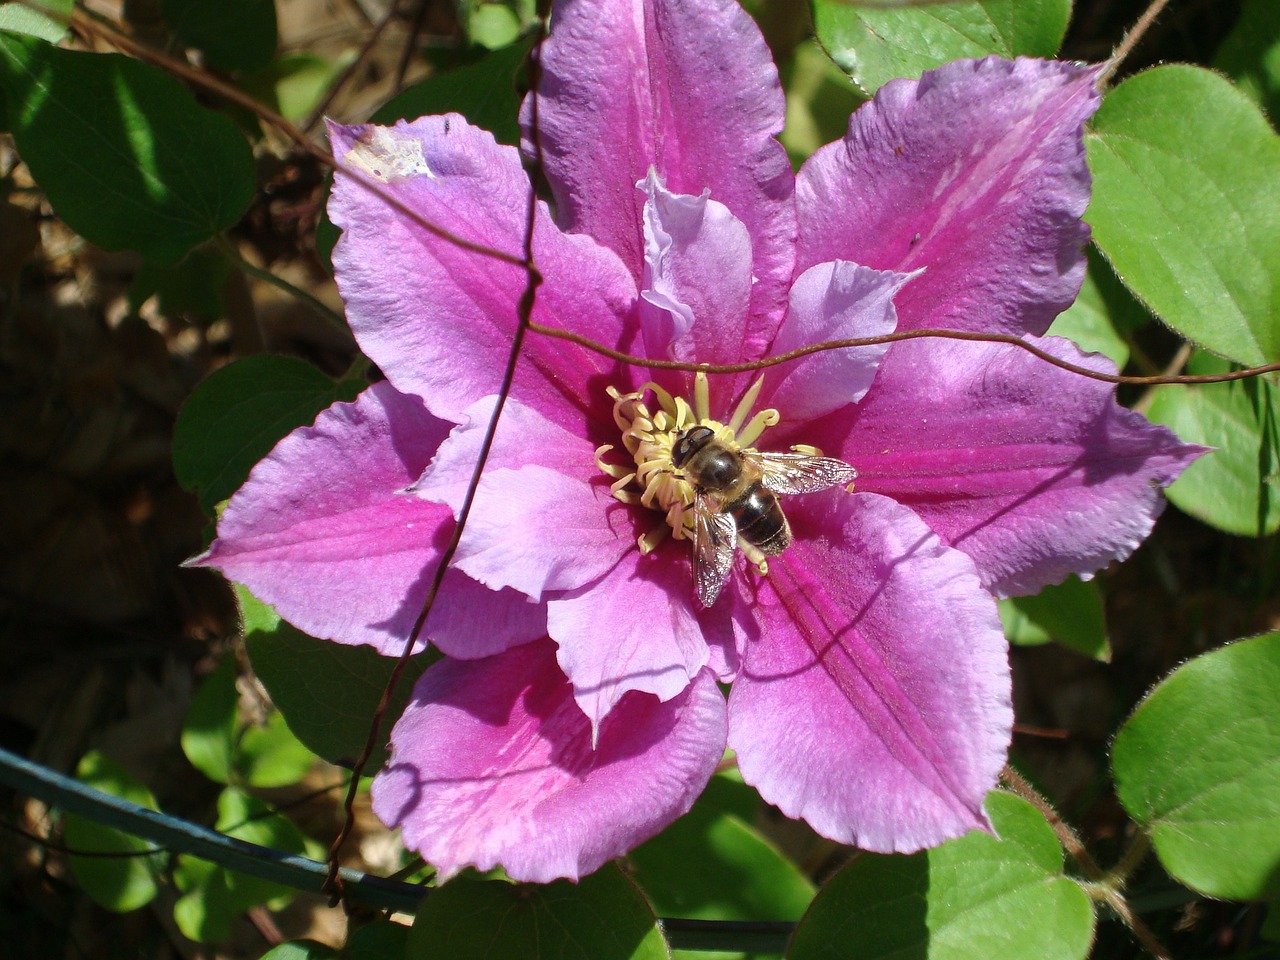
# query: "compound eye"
693,440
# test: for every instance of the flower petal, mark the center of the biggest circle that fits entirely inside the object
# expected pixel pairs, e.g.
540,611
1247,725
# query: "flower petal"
875,704
1033,471
697,277
543,517
438,318
492,765
977,172
633,629
321,531
688,88
832,301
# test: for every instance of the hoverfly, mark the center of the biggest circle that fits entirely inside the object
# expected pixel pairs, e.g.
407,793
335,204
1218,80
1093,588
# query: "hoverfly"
736,495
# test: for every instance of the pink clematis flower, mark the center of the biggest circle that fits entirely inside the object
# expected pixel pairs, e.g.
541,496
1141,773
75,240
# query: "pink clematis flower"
577,710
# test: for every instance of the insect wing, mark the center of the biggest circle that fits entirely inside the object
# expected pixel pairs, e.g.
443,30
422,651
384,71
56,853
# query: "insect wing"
715,536
788,473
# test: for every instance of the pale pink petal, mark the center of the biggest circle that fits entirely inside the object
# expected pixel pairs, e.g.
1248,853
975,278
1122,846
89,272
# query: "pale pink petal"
492,765
1032,471
832,301
633,629
687,88
322,532
543,517
875,704
697,277
438,318
975,172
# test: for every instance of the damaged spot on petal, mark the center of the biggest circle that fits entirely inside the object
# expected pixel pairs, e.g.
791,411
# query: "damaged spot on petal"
386,157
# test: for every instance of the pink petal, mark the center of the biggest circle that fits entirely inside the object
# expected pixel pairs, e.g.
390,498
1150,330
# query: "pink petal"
492,765
832,301
437,318
321,532
633,629
976,172
688,88
1032,471
697,277
543,517
875,704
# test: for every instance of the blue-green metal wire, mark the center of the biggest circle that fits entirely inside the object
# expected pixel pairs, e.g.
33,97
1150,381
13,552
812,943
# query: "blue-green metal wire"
302,873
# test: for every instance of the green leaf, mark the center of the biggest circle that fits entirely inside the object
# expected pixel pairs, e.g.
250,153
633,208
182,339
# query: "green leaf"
1237,486
381,940
974,898
25,18
124,153
875,46
238,413
820,98
119,883
1250,54
602,918
710,865
1103,315
232,34
271,756
213,897
1194,239
330,705
484,92
300,950
209,734
1069,612
191,288
1198,765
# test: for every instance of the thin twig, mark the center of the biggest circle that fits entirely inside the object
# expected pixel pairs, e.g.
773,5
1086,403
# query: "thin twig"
967,335
1105,887
266,276
1070,841
1130,40
189,73
334,883
341,80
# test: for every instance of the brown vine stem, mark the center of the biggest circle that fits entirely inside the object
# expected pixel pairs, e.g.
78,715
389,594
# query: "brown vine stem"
333,884
1130,40
1104,887
180,68
340,81
198,77
1011,339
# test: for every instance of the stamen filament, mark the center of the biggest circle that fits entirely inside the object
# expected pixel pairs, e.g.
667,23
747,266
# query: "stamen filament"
701,396
744,406
759,423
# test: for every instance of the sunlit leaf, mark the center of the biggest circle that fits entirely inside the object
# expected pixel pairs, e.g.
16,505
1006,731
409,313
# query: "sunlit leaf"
209,733
119,883
875,45
1069,613
1198,765
26,17
1192,237
1236,487
970,899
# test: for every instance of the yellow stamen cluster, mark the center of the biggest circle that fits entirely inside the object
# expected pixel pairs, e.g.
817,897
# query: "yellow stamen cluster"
650,438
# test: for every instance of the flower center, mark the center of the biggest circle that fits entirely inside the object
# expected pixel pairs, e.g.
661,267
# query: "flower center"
653,433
